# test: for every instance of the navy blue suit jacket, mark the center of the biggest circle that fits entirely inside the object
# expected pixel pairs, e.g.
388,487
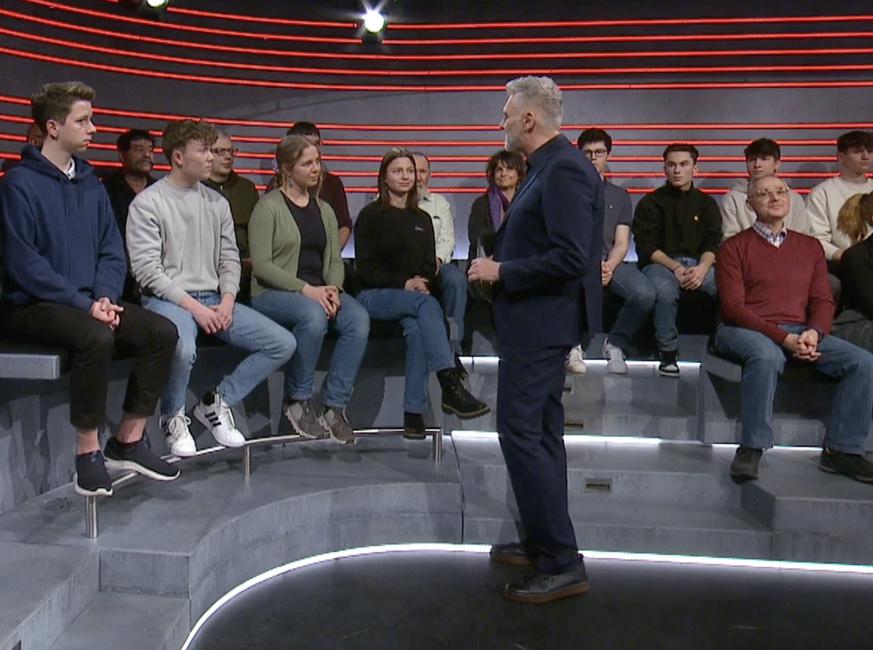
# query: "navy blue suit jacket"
549,246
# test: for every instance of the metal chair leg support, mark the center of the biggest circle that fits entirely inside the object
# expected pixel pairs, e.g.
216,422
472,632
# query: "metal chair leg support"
247,462
91,528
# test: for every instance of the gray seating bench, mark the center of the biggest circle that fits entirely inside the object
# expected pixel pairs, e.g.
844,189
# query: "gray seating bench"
25,361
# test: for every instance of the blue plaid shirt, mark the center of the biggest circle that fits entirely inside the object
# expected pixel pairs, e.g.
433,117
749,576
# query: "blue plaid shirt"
777,239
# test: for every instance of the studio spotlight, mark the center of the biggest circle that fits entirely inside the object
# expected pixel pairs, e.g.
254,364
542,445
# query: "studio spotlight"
372,26
146,8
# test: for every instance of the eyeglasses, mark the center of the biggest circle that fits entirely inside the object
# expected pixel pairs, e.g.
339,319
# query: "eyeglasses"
595,153
225,152
777,192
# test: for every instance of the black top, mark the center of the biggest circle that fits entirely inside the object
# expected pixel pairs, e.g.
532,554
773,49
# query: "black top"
392,246
856,274
680,224
313,241
121,195
480,228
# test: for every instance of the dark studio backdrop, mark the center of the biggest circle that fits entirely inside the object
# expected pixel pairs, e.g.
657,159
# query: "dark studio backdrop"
650,72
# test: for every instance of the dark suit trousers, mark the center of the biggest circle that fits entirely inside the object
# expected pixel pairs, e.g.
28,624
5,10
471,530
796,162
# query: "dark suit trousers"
146,337
530,422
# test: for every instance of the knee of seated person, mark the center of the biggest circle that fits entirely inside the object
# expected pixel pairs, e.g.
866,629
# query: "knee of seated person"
428,306
164,333
771,356
313,319
96,336
186,350
644,296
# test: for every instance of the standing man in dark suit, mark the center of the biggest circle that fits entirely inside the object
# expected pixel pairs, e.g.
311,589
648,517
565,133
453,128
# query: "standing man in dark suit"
546,255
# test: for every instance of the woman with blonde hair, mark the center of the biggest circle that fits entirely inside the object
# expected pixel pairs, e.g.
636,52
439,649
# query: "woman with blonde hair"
297,278
395,258
855,323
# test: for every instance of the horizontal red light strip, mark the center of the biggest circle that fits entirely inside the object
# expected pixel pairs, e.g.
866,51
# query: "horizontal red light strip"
851,67
447,57
257,19
536,24
263,83
339,142
191,28
438,57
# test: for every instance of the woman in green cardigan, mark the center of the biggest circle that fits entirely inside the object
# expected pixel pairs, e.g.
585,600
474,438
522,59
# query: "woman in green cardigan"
297,275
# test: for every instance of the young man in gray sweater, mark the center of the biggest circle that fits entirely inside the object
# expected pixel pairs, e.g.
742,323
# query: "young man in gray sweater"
183,253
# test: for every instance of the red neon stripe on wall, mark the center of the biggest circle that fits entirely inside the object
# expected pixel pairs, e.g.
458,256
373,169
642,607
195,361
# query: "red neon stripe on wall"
481,72
263,83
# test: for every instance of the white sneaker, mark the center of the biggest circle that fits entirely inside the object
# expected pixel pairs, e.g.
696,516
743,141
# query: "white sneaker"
576,360
218,418
615,361
179,439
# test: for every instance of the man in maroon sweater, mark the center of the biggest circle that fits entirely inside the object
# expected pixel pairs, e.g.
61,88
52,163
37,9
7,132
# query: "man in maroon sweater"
776,301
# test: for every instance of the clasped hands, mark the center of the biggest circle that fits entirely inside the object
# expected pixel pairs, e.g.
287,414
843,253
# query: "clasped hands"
327,296
105,311
804,346
690,277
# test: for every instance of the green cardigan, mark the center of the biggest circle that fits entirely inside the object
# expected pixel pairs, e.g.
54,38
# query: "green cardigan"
274,243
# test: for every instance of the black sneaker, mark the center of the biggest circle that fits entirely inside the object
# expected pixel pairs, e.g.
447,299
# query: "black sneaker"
136,457
413,426
855,466
668,367
92,479
745,465
457,399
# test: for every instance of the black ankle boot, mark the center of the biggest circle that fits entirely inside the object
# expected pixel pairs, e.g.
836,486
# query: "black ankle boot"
457,399
413,426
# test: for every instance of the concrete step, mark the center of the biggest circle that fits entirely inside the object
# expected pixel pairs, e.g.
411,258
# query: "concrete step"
44,589
635,527
674,473
129,621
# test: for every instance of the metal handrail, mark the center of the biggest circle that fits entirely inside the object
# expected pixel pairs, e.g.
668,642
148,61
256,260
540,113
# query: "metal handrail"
92,529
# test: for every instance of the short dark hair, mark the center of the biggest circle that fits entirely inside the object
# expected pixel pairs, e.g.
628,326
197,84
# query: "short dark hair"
510,159
682,147
855,140
55,101
179,133
390,156
763,148
594,134
128,137
303,128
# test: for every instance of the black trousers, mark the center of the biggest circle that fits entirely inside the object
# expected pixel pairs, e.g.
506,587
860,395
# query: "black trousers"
142,335
530,422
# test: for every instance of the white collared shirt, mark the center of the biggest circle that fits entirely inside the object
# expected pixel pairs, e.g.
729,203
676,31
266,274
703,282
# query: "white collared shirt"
443,224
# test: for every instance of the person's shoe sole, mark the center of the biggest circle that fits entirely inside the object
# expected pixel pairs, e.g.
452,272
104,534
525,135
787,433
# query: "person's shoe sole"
740,479
131,466
538,599
180,454
338,441
202,419
620,371
468,415
673,374
99,492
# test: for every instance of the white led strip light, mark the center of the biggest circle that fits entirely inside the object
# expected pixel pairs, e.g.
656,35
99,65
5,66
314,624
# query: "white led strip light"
482,549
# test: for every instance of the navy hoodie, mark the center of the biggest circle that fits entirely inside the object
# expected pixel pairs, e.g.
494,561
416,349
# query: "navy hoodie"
59,239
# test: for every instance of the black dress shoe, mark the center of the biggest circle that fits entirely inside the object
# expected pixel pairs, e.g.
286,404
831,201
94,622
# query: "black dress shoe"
514,553
546,587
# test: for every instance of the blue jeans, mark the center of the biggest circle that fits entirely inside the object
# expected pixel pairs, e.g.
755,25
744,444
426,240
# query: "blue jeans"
427,346
453,283
763,362
629,283
271,346
667,292
308,322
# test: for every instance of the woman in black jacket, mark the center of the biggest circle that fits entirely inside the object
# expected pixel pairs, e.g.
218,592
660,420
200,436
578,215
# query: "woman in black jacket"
395,258
505,171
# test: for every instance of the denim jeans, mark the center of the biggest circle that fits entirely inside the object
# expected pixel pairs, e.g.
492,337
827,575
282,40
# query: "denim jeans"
308,322
427,346
629,283
763,361
667,292
271,346
453,282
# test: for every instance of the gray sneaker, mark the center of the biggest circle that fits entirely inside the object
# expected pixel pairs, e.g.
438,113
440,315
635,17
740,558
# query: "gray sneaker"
615,362
304,420
341,432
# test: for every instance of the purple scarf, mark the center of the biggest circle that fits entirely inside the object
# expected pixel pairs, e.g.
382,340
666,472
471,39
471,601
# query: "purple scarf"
496,200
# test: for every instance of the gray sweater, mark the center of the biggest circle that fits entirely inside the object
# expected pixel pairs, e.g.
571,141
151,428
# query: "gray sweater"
181,241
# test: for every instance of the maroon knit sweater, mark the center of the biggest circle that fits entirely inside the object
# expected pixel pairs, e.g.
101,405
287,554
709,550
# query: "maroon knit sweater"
760,286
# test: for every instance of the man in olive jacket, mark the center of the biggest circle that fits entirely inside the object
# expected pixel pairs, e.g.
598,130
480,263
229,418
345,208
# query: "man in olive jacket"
677,229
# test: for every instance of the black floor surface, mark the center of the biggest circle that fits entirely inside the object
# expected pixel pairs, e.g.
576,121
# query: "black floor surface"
434,600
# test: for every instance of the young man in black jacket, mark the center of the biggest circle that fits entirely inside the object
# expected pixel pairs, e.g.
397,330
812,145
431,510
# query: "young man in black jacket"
677,229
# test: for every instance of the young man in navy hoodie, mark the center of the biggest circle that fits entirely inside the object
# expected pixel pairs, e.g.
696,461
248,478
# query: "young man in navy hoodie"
63,270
